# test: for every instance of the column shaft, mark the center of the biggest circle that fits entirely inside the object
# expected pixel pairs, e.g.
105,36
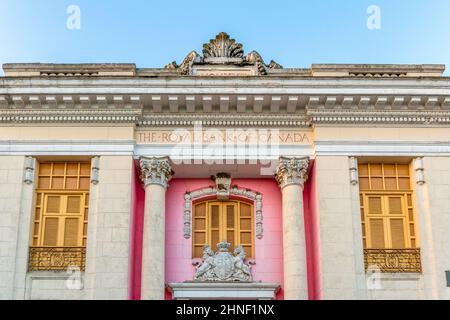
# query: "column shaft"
291,175
155,174
294,249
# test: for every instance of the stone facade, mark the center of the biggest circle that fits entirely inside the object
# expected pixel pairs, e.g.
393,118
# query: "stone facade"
287,142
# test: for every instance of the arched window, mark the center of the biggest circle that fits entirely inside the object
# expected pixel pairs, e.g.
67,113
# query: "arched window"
215,221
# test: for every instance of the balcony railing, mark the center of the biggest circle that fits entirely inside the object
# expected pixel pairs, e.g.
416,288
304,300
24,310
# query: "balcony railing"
56,258
393,260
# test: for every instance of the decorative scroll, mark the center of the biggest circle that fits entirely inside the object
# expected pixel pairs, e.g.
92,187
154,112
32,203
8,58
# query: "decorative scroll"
56,258
213,191
393,260
222,265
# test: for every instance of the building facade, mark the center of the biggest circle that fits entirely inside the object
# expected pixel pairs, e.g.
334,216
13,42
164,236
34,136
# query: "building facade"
224,177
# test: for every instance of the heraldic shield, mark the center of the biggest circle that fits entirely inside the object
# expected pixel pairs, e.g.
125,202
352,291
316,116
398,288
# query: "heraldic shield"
222,265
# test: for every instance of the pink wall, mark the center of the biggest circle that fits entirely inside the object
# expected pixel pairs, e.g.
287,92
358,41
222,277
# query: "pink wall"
311,234
268,250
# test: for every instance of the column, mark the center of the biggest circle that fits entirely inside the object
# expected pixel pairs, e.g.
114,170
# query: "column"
291,175
155,174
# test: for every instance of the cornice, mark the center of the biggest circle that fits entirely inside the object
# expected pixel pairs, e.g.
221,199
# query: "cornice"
222,120
135,85
408,117
214,108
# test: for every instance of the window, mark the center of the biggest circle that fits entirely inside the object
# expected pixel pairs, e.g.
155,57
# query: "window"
61,214
215,221
387,216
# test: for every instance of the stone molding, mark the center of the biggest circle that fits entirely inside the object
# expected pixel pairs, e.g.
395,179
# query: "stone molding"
156,171
419,171
292,171
353,167
30,166
254,196
95,170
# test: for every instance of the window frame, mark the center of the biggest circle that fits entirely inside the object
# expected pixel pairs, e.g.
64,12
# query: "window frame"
238,231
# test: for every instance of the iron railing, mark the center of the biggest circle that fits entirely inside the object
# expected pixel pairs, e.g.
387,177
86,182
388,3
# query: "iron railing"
56,258
393,260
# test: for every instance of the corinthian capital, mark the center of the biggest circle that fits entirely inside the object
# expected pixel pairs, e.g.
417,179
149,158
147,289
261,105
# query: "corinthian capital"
155,171
292,171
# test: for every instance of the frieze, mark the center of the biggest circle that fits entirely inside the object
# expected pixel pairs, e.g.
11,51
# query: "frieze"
220,136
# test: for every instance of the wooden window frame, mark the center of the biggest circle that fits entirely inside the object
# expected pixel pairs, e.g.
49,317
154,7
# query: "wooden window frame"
410,238
42,255
389,258
207,231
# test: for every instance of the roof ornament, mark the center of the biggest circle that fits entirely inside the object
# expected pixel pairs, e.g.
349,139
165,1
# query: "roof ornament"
222,50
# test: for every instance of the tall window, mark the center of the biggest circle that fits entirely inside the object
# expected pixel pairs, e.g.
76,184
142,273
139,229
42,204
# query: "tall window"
61,214
387,215
215,221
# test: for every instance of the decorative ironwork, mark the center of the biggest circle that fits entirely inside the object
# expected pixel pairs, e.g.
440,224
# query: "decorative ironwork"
393,260
56,258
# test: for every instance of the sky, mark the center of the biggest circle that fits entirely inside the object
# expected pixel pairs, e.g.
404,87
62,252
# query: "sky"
294,33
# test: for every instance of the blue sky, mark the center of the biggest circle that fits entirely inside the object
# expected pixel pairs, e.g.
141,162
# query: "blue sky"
294,33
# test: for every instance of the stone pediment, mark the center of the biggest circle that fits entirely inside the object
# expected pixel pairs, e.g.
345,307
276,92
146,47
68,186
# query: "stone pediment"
223,56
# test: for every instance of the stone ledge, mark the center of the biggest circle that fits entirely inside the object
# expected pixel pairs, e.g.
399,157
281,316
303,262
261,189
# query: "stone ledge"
378,70
51,69
406,276
224,290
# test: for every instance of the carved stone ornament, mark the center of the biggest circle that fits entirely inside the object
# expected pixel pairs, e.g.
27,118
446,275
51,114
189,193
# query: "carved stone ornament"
156,171
223,50
292,171
223,183
222,265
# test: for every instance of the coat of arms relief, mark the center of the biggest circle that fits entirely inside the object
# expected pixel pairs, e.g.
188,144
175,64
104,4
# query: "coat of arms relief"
223,265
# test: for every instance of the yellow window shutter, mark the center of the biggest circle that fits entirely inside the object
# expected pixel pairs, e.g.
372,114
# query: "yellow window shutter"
71,229
377,233
375,205
397,233
73,204
229,229
53,204
395,205
51,232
